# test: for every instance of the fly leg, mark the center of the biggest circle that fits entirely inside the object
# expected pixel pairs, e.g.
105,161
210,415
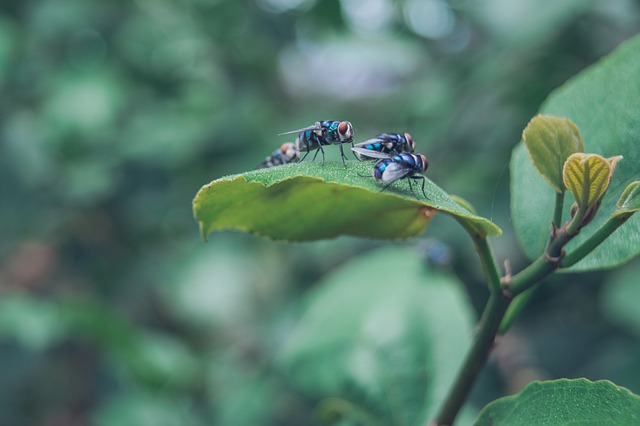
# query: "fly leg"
424,180
343,156
316,154
386,186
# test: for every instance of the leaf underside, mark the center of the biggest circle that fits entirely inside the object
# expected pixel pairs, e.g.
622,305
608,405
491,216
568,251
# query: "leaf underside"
550,141
310,201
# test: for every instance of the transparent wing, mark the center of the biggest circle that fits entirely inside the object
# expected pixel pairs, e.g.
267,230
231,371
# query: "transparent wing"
395,171
314,127
367,142
369,153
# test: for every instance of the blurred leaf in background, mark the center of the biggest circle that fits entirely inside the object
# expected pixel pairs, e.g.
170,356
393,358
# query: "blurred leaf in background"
113,114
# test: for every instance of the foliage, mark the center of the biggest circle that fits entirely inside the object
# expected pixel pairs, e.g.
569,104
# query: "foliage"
114,113
372,337
565,402
599,101
553,144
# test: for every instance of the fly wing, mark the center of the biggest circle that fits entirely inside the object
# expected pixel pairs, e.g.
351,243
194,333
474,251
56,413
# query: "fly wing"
369,153
368,142
314,127
395,171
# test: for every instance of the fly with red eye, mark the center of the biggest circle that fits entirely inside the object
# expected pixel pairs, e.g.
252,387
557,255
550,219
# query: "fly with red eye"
287,153
401,166
327,132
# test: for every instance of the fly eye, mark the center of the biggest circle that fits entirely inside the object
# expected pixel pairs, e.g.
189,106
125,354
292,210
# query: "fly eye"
424,161
412,146
344,127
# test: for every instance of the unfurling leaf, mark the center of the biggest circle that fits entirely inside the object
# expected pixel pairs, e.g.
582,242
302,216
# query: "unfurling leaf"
550,141
587,176
629,201
604,104
613,163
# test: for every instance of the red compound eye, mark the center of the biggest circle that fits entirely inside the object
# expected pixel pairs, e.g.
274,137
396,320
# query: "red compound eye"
424,161
410,140
343,127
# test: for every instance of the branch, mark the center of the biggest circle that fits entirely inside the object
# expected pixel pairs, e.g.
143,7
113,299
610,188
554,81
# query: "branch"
475,359
594,241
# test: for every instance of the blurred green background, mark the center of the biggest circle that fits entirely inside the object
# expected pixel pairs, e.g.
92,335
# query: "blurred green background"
114,113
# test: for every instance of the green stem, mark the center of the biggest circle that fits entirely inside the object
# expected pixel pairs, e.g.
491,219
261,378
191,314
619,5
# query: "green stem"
475,359
530,275
594,240
488,263
500,299
557,210
516,308
522,300
576,222
488,327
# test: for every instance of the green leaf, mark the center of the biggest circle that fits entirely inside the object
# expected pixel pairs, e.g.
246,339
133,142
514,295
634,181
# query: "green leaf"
565,402
629,201
310,201
384,336
587,177
549,142
604,102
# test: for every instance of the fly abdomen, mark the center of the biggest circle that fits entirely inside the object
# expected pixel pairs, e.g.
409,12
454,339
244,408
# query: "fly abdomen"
287,153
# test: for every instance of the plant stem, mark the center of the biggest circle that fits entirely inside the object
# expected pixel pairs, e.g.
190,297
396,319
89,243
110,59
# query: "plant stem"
487,329
530,275
594,240
521,302
576,223
493,317
516,307
557,210
475,359
488,263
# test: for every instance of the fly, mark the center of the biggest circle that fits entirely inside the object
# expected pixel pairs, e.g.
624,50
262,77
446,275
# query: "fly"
328,132
401,166
287,153
384,145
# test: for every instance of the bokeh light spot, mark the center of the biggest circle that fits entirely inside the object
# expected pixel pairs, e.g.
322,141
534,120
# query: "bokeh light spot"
429,18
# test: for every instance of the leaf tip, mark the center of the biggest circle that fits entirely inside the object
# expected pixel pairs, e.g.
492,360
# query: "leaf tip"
203,232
